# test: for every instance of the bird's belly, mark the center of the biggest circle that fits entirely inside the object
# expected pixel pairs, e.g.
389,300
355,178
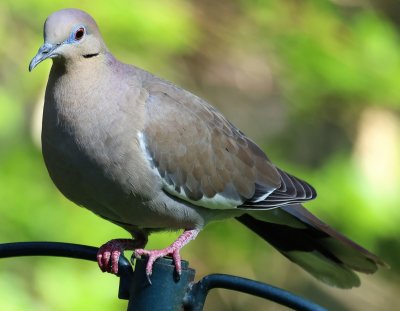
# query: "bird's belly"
82,181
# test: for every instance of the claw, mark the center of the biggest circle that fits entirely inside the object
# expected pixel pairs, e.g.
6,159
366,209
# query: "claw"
148,276
109,253
173,250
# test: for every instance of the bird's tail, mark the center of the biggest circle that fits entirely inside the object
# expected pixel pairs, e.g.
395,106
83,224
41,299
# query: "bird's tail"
307,241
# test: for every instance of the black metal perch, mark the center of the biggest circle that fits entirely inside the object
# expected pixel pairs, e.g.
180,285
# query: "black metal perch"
167,291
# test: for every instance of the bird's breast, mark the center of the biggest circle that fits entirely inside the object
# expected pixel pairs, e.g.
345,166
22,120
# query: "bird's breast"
90,147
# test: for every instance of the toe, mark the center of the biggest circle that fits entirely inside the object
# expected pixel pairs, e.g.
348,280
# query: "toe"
149,265
100,262
140,252
114,261
103,260
177,261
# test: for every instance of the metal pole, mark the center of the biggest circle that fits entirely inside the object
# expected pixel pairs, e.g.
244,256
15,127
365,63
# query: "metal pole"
166,291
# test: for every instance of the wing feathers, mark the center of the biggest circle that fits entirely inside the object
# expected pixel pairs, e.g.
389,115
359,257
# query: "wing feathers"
292,190
199,155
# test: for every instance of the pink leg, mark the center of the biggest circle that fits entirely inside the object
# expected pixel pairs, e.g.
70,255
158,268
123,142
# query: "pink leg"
173,250
109,253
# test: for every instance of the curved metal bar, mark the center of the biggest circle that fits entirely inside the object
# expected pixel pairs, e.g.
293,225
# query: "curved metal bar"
48,249
68,250
196,296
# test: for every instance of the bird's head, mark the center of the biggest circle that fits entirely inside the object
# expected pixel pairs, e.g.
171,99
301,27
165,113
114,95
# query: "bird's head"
69,34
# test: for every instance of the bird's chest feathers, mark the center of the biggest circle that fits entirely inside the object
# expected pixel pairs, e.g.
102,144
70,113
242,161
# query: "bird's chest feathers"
91,119
91,132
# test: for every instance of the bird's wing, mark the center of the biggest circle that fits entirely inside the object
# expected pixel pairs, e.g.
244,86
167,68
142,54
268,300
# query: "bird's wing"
204,159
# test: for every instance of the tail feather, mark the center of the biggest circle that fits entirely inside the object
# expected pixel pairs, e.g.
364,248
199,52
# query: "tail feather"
307,241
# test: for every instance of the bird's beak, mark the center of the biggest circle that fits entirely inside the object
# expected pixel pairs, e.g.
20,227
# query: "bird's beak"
45,51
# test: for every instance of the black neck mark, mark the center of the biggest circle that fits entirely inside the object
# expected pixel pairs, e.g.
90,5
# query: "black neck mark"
90,55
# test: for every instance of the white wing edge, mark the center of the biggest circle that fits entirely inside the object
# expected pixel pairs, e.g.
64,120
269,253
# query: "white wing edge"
216,202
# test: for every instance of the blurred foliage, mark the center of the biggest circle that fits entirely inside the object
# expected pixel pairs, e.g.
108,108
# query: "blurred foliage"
315,83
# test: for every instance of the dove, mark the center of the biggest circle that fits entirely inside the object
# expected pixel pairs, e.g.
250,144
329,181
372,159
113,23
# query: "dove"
149,156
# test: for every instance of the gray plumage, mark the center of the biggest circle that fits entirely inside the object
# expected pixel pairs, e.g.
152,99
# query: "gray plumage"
148,156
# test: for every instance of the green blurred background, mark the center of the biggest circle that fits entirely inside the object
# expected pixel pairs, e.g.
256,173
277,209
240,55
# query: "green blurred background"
315,83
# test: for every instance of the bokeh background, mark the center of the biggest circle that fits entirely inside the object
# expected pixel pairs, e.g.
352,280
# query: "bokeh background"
316,83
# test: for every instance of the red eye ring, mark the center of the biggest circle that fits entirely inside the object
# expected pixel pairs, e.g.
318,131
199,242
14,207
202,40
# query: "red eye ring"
79,33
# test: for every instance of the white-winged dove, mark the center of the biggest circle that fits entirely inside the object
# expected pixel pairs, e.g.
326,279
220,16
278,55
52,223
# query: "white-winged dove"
149,156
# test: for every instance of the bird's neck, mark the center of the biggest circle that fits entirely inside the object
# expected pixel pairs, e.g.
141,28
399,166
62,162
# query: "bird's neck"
83,63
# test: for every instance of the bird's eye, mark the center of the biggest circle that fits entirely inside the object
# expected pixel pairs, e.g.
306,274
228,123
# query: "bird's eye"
79,33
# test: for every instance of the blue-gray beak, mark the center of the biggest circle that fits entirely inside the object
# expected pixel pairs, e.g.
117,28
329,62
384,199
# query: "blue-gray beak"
45,51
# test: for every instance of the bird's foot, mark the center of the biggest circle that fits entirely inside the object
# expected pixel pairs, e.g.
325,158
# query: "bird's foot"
173,250
109,253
